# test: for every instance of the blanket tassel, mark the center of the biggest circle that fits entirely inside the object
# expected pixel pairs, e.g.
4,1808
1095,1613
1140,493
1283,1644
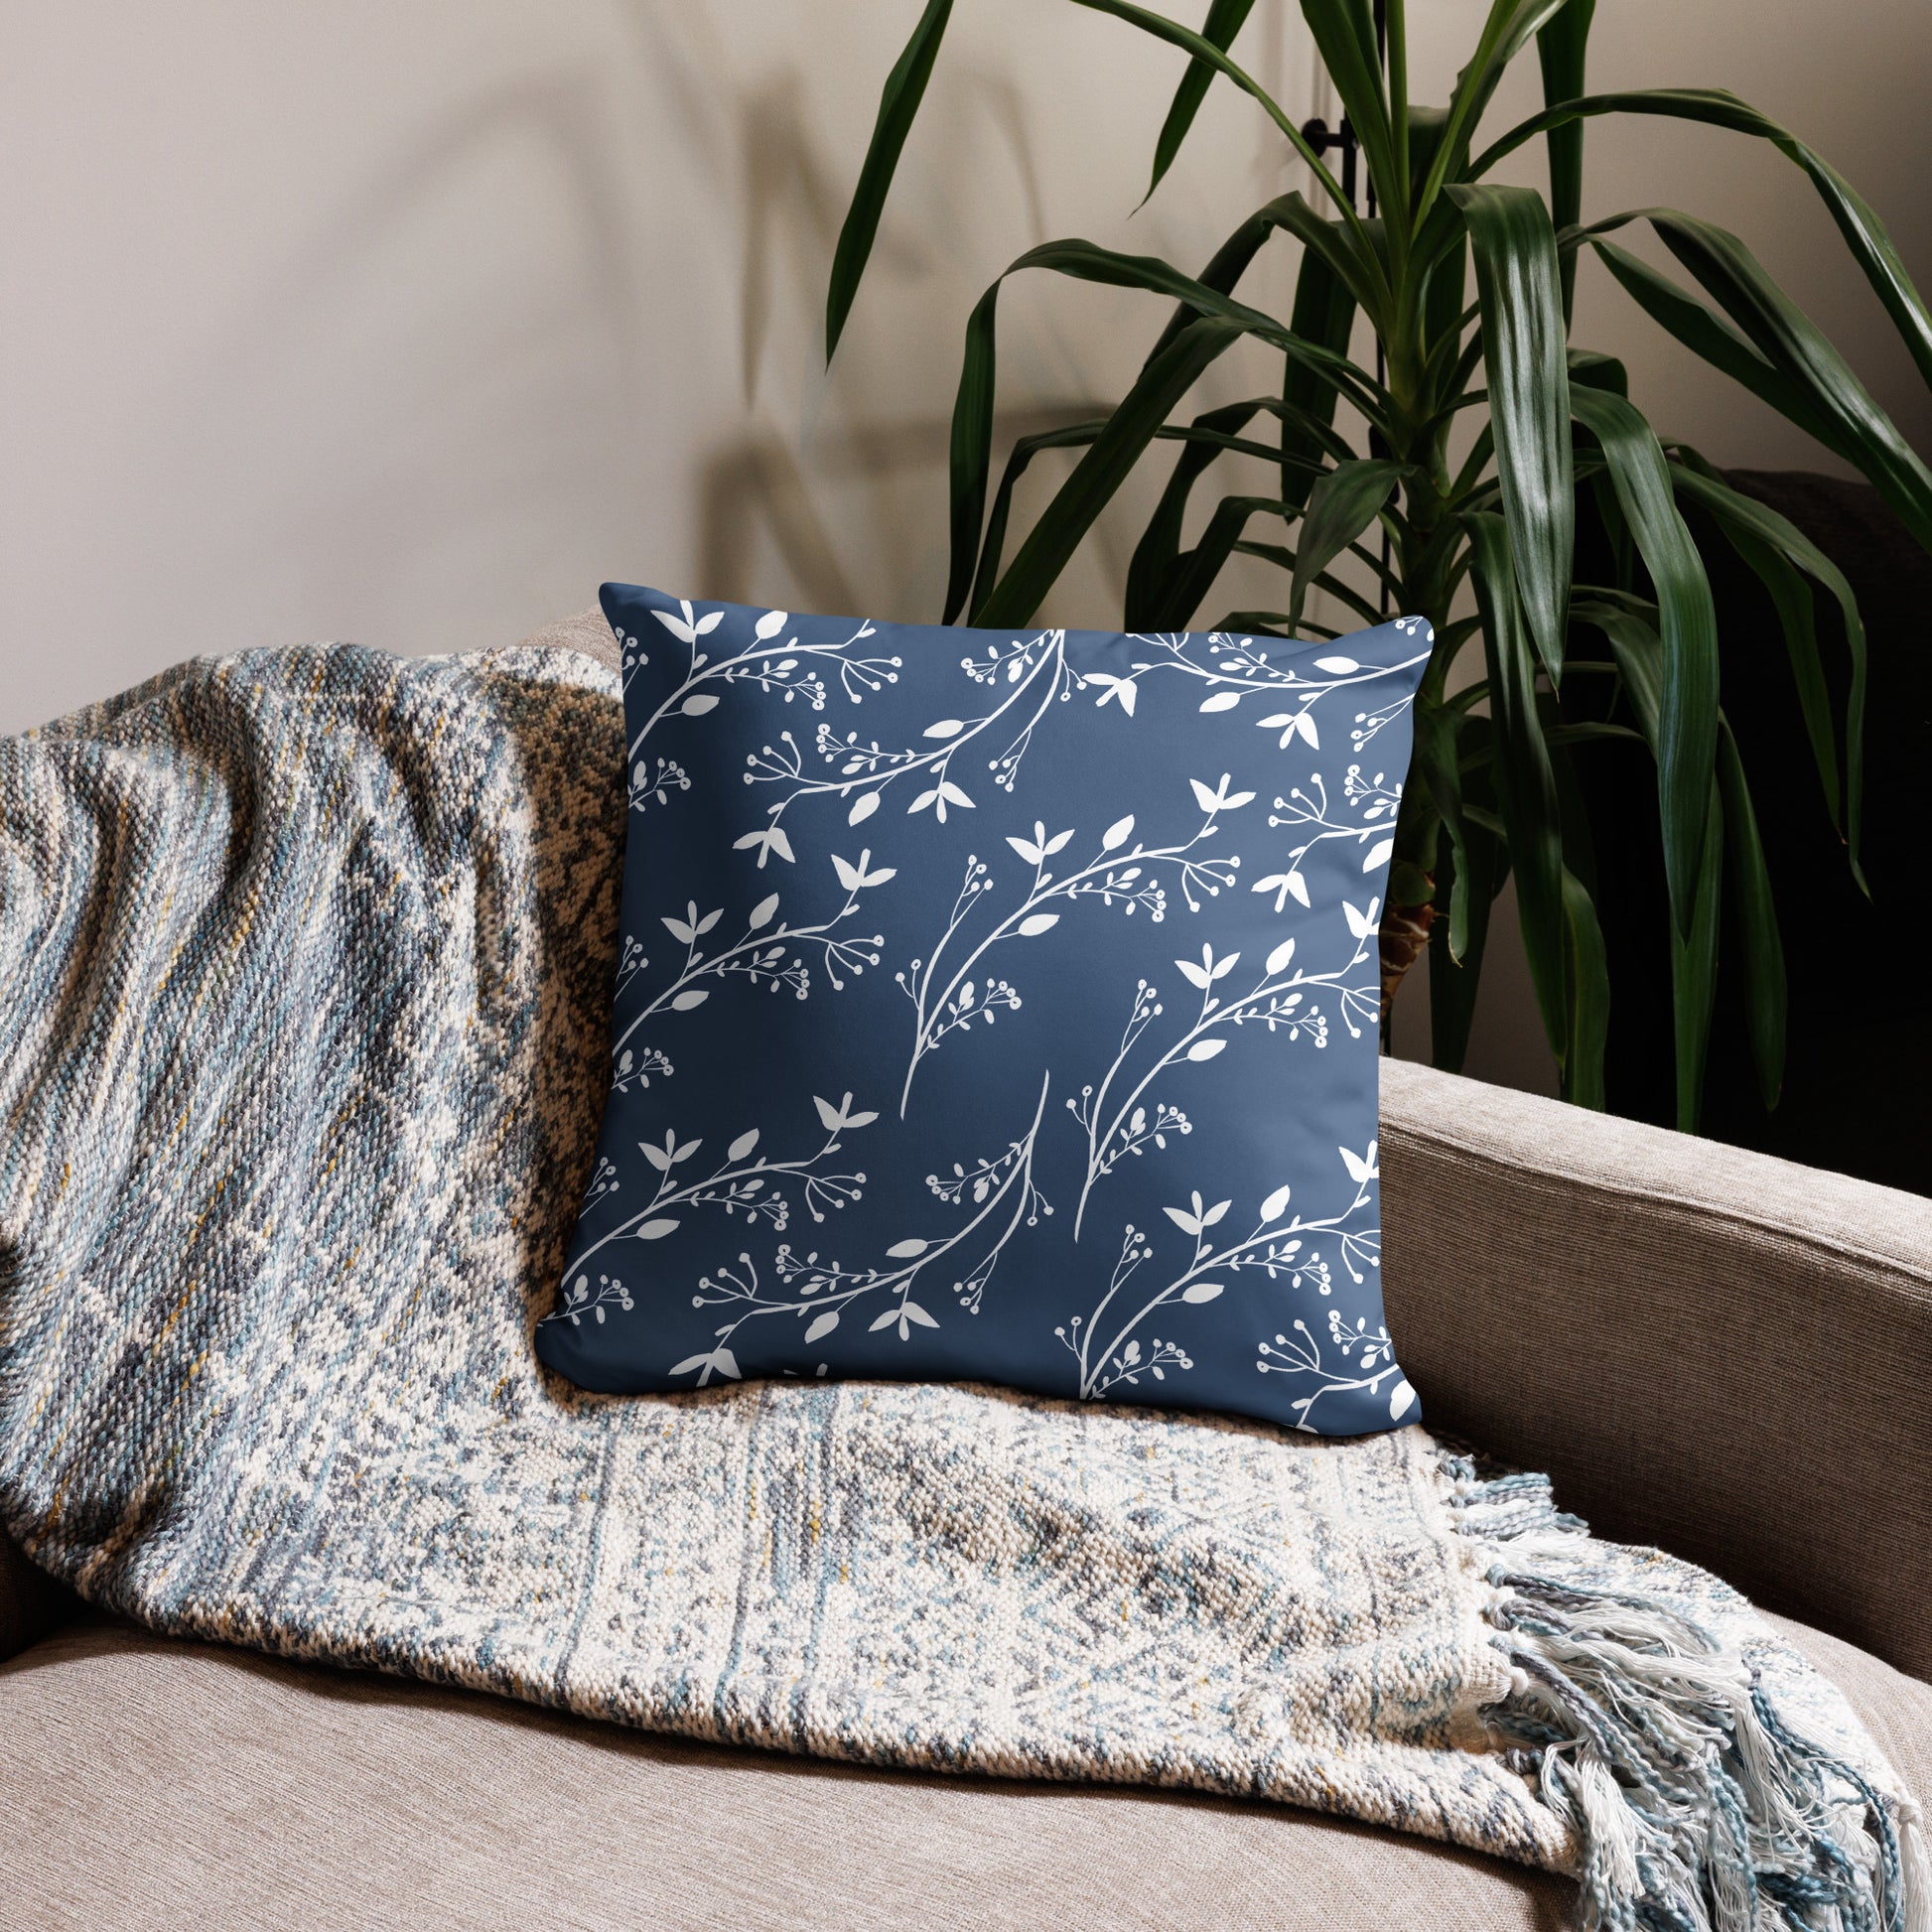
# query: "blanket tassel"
1697,1805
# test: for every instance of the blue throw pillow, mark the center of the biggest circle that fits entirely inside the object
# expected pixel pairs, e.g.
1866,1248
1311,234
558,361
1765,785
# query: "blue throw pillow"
996,1006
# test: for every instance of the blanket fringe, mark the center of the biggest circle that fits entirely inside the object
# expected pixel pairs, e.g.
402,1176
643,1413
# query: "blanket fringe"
1696,1805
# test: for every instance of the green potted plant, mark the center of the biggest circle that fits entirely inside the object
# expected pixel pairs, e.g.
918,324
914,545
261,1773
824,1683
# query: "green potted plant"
1464,288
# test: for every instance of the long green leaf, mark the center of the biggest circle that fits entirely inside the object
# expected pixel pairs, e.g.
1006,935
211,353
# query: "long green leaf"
1344,37
1523,341
1865,234
1437,763
1204,50
1791,598
1225,19
1086,261
1181,594
1586,997
1100,472
1707,334
1019,458
1687,724
1157,557
1341,505
1792,344
1560,48
1284,559
1766,996
972,422
1505,33
970,450
1472,873
1735,510
1324,312
1639,653
899,103
1694,971
1526,788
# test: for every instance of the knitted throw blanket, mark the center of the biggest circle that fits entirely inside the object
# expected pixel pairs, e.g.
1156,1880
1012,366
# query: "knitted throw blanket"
305,969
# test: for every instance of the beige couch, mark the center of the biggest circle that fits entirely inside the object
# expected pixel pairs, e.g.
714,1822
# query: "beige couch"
1710,1350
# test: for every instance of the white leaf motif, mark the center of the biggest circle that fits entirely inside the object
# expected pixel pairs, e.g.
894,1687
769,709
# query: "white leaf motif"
1299,887
1205,1049
768,625
862,808
1035,923
772,839
945,728
1340,666
1379,853
1181,1219
743,1146
1201,1292
698,704
1221,701
1401,1397
906,1250
684,1002
1117,834
761,913
1305,730
1361,923
1279,958
657,1229
1361,1167
677,627
1275,1206
823,1326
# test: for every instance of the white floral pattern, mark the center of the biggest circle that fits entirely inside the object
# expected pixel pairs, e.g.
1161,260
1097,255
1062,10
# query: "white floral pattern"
1126,858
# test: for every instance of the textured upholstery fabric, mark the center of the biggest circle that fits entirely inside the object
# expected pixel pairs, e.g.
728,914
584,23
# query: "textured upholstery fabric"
152,1783
1663,1326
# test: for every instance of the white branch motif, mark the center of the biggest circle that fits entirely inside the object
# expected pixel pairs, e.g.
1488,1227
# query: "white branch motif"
792,669
1277,1247
1374,1366
1307,810
1241,668
1004,1199
740,1184
1035,670
581,1298
1279,999
945,1002
766,954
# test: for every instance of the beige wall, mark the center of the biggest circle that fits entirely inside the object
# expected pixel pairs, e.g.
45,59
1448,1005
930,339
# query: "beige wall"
409,321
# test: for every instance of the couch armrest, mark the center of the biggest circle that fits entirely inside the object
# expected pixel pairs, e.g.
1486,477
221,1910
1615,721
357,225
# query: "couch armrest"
1707,1349
32,1604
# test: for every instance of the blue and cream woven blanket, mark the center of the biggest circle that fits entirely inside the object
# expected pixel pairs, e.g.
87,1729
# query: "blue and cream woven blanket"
304,973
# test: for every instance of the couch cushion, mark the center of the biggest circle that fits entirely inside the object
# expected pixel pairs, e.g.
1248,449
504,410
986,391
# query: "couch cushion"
150,1784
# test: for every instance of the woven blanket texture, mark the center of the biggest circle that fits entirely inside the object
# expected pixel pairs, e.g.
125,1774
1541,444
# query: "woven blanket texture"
305,975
